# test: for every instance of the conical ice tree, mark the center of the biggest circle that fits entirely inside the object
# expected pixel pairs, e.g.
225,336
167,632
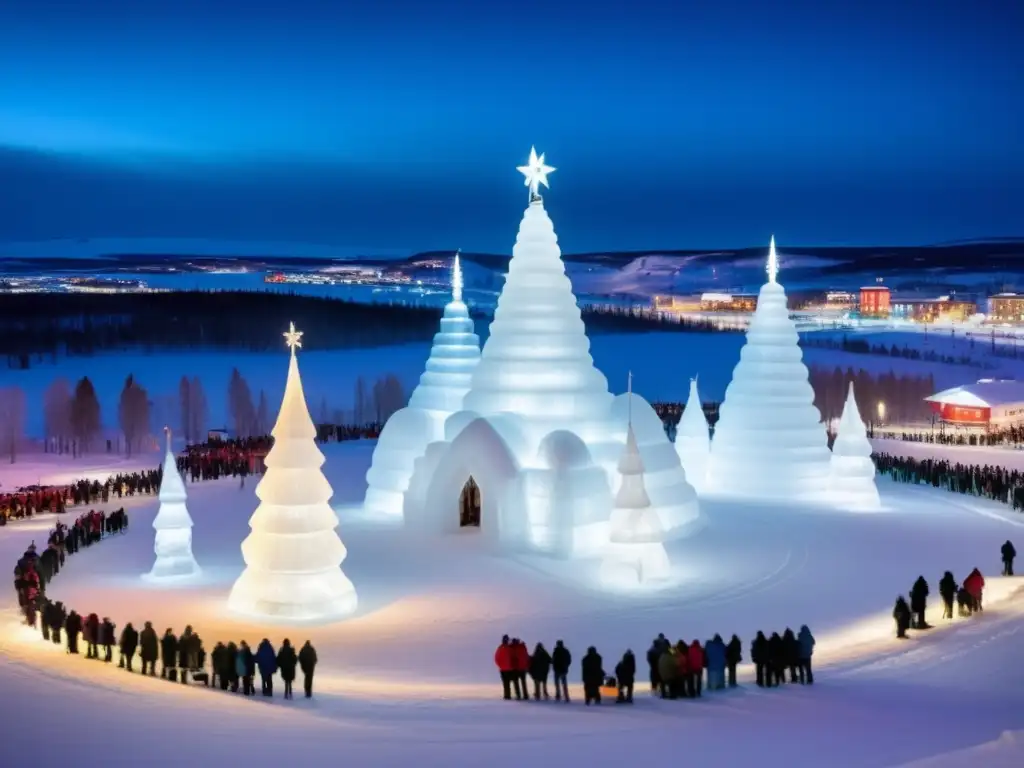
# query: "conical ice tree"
173,524
852,472
293,555
693,441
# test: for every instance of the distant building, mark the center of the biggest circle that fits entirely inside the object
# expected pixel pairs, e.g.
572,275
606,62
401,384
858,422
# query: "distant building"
728,302
840,300
942,309
676,304
875,301
1006,308
988,403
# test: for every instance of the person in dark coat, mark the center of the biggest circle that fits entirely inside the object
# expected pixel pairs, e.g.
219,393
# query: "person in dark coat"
919,603
91,632
806,642
505,663
168,654
286,662
245,665
1008,553
540,666
625,675
58,619
230,668
186,654
219,666
108,638
593,676
947,591
307,662
561,660
148,649
790,654
73,627
733,656
129,642
45,616
776,660
668,673
759,656
901,614
653,655
714,657
266,662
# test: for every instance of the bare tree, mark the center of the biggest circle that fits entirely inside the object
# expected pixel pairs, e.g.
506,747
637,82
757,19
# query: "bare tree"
85,414
361,412
57,414
243,414
262,427
12,420
198,410
185,399
133,413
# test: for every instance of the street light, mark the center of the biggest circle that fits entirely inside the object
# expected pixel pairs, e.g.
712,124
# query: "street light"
881,412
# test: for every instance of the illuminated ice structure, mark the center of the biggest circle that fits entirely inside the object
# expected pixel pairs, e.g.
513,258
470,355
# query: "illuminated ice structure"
293,555
635,555
852,475
530,456
769,441
173,524
693,440
406,435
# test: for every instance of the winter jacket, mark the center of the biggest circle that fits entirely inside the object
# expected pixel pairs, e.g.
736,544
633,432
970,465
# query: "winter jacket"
503,658
668,667
185,655
561,660
625,670
220,661
919,595
92,629
759,649
734,651
520,657
149,644
974,584
307,659
695,658
948,587
682,657
168,648
714,652
592,668
129,640
266,659
108,632
286,661
1008,552
790,648
245,662
654,655
540,663
806,641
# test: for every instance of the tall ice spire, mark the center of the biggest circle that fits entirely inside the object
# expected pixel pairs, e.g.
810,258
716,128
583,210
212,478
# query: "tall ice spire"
457,278
852,472
693,443
173,524
772,267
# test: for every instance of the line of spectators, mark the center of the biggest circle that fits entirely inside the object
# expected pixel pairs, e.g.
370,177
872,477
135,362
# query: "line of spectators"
1008,436
988,481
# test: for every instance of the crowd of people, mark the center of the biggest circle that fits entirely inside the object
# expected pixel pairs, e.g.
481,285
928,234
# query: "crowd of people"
214,459
675,671
988,481
967,596
1006,436
35,500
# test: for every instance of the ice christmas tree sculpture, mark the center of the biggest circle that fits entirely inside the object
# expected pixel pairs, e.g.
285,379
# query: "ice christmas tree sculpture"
769,440
173,524
536,362
852,472
635,555
443,385
293,555
693,441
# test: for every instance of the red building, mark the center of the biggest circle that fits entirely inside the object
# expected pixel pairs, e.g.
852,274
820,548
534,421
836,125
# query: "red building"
875,301
988,403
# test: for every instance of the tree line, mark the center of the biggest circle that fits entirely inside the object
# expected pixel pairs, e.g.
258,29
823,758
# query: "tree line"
901,395
863,347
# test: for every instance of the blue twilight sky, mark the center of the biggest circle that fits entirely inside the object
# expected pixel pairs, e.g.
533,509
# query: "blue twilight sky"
398,124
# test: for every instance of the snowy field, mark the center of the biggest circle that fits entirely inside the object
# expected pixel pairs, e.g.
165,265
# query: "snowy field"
662,364
411,676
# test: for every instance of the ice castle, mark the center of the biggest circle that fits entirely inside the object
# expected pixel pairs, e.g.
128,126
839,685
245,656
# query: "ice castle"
523,439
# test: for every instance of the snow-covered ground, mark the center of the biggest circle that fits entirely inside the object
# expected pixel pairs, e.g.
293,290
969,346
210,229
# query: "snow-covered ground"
411,677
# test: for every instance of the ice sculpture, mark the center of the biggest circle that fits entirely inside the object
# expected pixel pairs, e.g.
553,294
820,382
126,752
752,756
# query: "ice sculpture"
173,524
769,440
293,555
693,441
852,475
537,432
635,555
453,358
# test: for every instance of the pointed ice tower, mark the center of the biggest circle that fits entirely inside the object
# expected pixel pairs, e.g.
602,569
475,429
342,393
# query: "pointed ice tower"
852,476
769,441
693,441
443,385
536,362
635,556
173,524
293,555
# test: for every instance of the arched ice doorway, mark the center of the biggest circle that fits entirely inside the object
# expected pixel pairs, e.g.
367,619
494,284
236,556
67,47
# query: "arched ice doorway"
469,505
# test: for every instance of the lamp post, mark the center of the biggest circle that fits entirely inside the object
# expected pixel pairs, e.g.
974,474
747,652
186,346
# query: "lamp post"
881,412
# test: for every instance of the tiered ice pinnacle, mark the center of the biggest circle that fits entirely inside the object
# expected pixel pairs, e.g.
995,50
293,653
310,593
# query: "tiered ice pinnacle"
443,385
173,524
769,440
635,555
693,441
293,555
536,362
852,476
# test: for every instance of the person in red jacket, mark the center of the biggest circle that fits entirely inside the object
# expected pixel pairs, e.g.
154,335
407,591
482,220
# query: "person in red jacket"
973,585
695,659
521,665
504,661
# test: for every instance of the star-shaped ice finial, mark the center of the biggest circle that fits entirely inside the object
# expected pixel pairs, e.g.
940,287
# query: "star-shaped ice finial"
457,278
772,267
293,338
536,172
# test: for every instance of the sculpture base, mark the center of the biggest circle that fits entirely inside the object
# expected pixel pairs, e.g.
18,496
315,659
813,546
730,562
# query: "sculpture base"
313,598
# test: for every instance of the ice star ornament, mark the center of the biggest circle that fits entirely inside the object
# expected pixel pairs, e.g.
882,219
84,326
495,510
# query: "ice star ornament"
536,172
293,338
